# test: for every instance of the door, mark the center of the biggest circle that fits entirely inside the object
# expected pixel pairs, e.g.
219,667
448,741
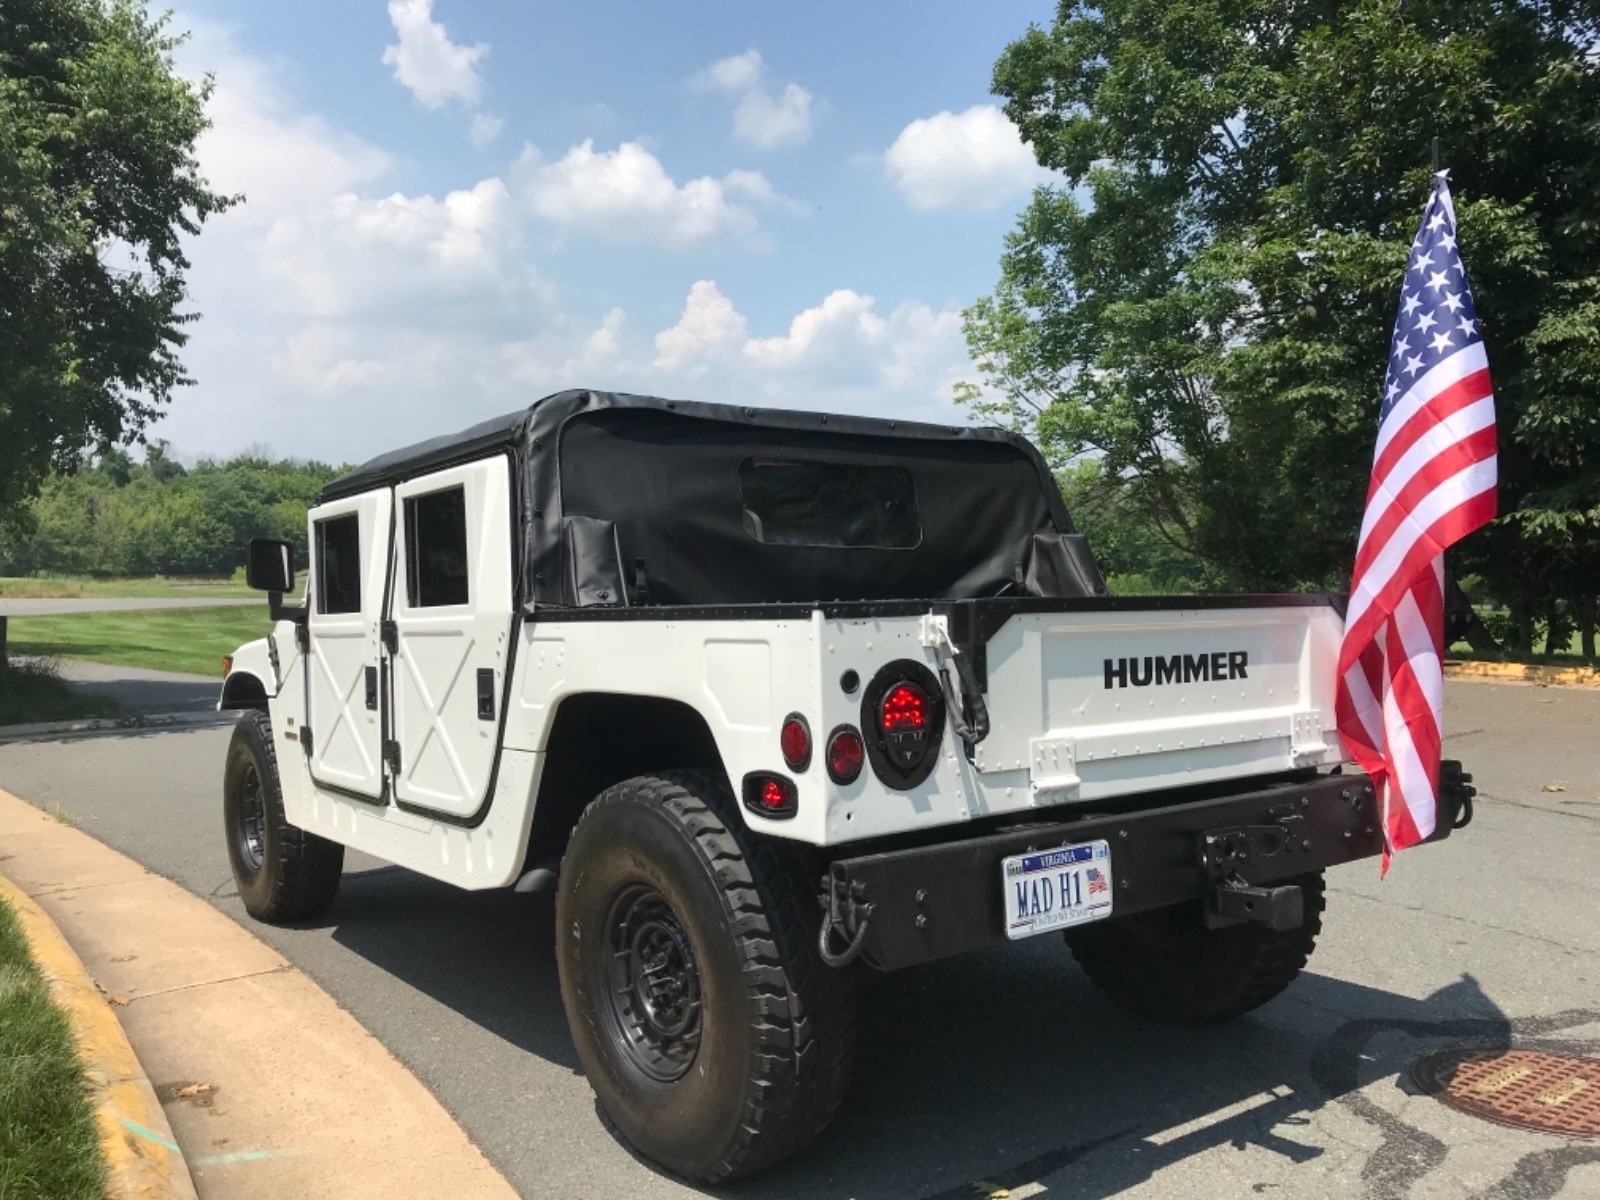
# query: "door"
350,541
452,620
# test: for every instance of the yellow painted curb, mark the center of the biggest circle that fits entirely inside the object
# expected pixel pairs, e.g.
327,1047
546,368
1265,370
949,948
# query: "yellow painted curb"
1523,673
143,1161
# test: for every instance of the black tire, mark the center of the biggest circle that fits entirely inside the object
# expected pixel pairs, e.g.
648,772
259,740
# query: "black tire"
284,873
757,1070
1166,965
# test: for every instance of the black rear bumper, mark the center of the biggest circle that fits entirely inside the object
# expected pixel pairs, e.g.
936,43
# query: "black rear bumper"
932,901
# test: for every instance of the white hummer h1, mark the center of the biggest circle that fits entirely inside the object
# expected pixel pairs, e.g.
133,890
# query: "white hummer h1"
771,700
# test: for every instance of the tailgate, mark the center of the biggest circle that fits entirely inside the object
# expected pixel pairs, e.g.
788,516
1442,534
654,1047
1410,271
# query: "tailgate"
1092,704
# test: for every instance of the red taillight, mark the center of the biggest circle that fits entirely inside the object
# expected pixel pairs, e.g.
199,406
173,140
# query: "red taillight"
904,707
794,739
770,795
227,665
846,753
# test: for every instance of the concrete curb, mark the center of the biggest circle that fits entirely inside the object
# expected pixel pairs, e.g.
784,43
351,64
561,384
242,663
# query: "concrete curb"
17,733
142,1158
1523,673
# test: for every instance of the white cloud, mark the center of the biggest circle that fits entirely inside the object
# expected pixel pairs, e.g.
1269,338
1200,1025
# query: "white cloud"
840,355
427,62
737,73
485,129
341,317
563,356
357,256
626,194
709,330
970,160
258,144
843,322
762,117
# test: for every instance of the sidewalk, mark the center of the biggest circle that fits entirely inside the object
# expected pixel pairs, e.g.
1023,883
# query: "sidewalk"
271,1088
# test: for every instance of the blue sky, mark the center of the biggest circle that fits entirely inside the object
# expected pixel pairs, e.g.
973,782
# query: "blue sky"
454,207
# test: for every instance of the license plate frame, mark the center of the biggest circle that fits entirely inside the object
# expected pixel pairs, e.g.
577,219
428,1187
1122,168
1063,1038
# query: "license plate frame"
1056,888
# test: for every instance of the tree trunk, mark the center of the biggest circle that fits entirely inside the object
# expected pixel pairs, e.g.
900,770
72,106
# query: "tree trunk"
1585,610
1522,626
1462,623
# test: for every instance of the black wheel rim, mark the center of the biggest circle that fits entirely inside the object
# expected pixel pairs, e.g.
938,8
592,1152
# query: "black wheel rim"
251,827
652,985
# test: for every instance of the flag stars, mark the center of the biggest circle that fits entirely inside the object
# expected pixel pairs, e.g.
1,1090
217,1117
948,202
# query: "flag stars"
1441,341
1422,262
1448,241
1436,221
1468,327
1393,390
1452,301
1426,322
1414,364
1411,303
1437,280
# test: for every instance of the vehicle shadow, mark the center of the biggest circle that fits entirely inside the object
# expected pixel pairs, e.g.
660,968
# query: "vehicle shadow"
1000,1068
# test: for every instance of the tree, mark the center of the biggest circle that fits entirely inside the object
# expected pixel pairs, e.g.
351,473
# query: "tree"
98,188
1205,302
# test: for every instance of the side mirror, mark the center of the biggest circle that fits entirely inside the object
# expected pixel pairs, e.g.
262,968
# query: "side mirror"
270,565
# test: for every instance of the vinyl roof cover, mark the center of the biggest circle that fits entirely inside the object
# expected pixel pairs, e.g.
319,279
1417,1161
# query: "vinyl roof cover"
666,474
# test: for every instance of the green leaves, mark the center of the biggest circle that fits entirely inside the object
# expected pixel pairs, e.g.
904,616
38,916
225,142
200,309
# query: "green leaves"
1204,308
98,187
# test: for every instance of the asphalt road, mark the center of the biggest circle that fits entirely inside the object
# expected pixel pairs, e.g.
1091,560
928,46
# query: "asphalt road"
1005,1069
24,607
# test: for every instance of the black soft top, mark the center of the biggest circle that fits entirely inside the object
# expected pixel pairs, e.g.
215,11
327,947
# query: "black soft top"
629,499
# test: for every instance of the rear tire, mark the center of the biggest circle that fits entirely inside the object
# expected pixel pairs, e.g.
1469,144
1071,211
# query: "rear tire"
283,873
1165,964
714,1039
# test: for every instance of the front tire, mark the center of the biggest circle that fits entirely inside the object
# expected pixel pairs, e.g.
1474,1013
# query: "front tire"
713,1038
283,873
1165,964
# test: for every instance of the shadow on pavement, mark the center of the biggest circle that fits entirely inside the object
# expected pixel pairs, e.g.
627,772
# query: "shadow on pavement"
156,695
1000,1069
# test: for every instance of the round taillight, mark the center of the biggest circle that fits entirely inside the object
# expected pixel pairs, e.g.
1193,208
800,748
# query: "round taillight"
846,753
794,740
770,795
905,706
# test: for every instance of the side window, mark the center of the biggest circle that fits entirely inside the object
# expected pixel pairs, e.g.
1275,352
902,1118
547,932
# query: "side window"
436,548
339,564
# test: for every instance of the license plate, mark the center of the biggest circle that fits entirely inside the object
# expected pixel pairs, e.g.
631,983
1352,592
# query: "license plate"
1053,889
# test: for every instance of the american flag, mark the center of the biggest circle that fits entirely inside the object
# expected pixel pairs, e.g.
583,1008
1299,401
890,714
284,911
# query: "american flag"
1097,881
1433,482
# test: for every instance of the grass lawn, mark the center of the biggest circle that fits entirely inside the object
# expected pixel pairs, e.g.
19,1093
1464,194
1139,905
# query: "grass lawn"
170,639
49,1142
153,587
33,692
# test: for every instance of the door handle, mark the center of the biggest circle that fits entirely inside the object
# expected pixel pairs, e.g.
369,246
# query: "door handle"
485,693
372,688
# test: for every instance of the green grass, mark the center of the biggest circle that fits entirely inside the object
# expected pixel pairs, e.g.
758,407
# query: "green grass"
49,1142
170,639
157,587
32,691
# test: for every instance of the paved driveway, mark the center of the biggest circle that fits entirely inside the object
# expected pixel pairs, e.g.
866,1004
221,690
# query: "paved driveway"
1005,1069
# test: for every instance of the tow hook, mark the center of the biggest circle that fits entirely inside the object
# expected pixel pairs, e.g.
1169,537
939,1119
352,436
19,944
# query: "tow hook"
1231,898
848,914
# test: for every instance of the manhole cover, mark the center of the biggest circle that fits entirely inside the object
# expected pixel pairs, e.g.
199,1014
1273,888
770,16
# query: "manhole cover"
1525,1089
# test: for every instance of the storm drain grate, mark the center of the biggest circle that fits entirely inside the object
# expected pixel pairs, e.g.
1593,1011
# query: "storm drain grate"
1525,1089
